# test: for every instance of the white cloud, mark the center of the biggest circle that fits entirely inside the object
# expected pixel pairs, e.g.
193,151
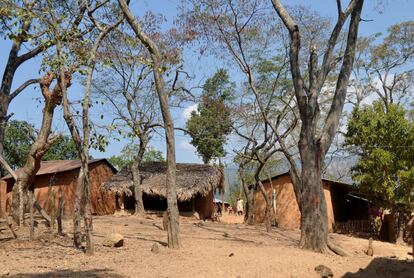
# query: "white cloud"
185,145
368,100
187,111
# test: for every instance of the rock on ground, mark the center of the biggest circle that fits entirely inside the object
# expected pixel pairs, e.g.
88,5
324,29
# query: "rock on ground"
155,249
324,271
114,240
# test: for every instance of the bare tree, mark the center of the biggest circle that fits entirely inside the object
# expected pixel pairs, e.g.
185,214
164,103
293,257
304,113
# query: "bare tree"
82,201
385,69
158,68
314,142
265,110
127,85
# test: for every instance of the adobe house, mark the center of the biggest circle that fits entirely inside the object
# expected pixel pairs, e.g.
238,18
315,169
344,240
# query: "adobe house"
342,206
196,184
62,176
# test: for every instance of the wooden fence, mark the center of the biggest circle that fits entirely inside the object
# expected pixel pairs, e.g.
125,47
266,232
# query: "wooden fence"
352,226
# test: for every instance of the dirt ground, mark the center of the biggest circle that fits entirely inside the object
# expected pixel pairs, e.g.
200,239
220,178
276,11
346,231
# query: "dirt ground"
209,250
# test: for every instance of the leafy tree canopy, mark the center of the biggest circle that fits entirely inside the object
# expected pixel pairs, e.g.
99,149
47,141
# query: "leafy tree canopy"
210,124
383,138
129,152
63,149
19,137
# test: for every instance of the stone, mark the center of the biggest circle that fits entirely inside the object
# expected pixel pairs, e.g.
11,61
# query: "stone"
6,272
196,215
114,240
324,271
155,249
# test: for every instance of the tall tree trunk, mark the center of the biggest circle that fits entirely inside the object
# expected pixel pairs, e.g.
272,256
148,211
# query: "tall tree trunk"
51,204
249,216
77,215
5,89
42,144
60,212
87,210
31,215
136,178
14,61
173,215
316,136
174,240
268,210
82,199
314,219
401,222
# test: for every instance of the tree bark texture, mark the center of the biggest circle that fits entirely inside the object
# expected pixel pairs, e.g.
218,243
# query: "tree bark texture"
77,215
51,204
314,216
174,240
268,210
314,141
136,178
43,142
60,212
249,216
31,237
15,59
82,198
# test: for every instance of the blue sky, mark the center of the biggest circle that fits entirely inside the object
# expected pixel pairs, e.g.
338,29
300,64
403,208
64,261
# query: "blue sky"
26,106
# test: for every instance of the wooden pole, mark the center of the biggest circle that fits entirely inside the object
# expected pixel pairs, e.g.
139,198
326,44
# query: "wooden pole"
31,215
60,212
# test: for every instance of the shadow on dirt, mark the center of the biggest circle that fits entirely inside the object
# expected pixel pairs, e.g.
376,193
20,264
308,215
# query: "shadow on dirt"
226,235
70,273
385,267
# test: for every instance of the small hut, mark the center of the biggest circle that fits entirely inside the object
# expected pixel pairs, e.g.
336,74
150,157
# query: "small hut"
342,206
61,177
196,184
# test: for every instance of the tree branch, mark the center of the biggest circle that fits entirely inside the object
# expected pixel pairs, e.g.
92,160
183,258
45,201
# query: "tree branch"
22,87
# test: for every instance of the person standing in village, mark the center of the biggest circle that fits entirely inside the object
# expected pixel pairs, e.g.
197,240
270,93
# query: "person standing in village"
240,206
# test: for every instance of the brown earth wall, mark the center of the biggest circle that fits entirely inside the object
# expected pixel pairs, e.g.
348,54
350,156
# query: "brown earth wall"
287,210
65,183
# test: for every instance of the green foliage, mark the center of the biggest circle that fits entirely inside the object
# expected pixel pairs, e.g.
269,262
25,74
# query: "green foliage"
128,154
210,125
63,149
119,162
383,138
153,155
19,137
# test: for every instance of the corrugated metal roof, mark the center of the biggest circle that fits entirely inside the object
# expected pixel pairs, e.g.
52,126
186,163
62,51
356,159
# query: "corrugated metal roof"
337,182
56,166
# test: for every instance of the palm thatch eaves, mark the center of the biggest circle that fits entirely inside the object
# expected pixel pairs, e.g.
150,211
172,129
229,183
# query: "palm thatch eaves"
192,179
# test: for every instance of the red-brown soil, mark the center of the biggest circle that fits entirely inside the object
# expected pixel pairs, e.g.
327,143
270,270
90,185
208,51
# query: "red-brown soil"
209,250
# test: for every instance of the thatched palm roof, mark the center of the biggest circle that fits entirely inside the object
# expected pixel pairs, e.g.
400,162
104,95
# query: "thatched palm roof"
192,179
